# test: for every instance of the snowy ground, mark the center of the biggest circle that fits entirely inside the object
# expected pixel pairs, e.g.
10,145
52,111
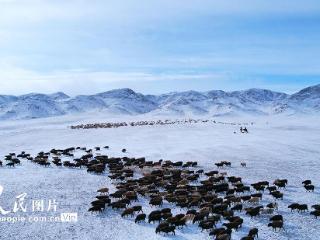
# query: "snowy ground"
275,148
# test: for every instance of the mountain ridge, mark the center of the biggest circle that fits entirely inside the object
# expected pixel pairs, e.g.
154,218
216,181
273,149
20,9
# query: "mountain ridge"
252,101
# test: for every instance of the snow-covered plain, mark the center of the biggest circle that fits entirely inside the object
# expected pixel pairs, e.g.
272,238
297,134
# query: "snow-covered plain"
286,147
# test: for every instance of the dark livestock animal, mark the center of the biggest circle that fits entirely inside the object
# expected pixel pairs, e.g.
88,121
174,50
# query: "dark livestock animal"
302,207
140,217
306,182
309,188
315,213
276,218
95,209
247,238
294,206
253,212
154,217
166,228
253,233
128,211
276,225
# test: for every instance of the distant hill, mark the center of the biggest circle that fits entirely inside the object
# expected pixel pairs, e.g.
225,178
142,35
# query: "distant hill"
126,101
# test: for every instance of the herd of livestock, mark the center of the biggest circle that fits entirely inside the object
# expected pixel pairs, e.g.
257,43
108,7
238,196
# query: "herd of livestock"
147,123
210,199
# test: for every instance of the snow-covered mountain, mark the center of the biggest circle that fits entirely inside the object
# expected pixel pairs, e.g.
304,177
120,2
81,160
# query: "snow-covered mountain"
127,101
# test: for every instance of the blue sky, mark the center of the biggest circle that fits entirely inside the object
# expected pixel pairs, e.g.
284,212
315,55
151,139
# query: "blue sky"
89,46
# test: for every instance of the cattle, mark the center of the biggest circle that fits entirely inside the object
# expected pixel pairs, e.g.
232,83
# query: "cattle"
315,213
272,205
302,207
247,238
103,190
137,208
253,212
128,211
214,195
169,229
294,206
233,225
95,209
154,218
276,218
206,225
237,207
276,225
253,232
309,188
10,164
254,200
281,183
306,182
266,211
140,218
316,207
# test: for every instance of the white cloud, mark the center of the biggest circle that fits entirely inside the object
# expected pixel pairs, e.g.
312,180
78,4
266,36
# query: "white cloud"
41,41
15,80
